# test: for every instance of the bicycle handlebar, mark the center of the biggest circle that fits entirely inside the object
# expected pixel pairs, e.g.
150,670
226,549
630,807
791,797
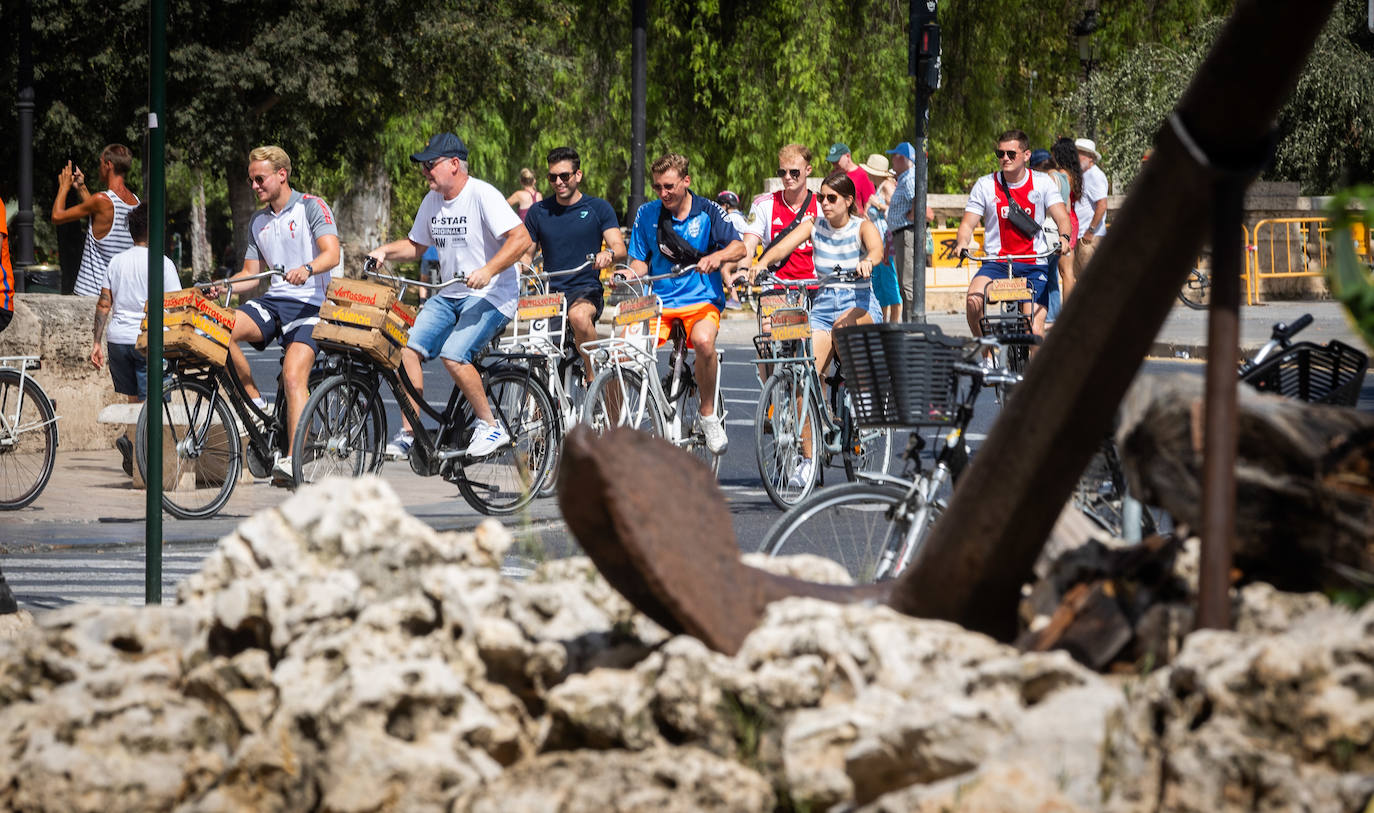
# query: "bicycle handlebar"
274,271
370,269
591,258
1283,332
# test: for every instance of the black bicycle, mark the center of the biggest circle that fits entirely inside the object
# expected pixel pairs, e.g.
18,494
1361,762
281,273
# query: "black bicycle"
344,423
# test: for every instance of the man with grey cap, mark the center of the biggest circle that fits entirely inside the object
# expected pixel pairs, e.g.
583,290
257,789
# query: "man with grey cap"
1091,207
843,161
479,236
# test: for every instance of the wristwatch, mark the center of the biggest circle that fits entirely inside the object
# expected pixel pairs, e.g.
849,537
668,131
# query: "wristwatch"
309,269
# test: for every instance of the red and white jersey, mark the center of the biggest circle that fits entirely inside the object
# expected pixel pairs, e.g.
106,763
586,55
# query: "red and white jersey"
769,215
1035,193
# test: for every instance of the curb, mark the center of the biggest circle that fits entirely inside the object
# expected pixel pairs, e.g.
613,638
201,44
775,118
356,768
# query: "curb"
1191,351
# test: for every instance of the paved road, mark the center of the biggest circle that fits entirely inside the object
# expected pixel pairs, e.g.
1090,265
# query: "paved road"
98,557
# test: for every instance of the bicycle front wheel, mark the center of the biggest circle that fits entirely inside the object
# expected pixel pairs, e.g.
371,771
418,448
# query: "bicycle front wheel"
688,420
342,431
28,440
854,524
506,480
619,396
201,450
785,418
1196,292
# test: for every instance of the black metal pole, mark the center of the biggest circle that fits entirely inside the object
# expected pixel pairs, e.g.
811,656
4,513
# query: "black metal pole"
23,218
922,12
639,58
157,227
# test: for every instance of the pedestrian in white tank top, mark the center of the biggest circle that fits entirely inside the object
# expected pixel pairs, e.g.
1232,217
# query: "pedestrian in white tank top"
108,233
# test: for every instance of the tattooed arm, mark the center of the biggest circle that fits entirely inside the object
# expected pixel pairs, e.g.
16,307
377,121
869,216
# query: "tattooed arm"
102,318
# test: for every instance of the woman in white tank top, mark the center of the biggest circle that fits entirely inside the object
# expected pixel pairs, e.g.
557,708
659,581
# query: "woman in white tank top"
846,242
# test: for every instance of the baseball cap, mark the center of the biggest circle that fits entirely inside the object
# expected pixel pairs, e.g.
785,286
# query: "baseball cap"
836,150
904,149
1040,157
443,145
726,196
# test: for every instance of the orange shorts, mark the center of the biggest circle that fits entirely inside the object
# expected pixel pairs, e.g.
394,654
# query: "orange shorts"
689,315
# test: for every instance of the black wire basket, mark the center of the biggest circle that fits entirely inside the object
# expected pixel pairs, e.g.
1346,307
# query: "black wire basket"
900,375
1319,374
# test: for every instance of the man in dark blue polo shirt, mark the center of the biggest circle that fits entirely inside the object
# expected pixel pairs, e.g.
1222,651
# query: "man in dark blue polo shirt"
566,228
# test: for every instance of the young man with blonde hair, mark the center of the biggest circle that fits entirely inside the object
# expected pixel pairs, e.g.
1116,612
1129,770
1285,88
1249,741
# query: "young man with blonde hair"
775,214
108,233
296,232
681,228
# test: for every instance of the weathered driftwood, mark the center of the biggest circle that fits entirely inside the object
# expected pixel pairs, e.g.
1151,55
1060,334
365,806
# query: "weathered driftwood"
1305,497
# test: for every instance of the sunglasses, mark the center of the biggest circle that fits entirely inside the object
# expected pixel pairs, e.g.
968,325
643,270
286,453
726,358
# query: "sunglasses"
559,176
783,173
1010,155
257,179
830,197
432,163
664,187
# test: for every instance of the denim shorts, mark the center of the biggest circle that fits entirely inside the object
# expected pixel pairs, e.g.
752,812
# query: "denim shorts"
1037,274
832,303
128,370
455,329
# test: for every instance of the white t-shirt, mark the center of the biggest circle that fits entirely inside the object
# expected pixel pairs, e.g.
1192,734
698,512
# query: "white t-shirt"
127,279
1094,189
467,232
1044,193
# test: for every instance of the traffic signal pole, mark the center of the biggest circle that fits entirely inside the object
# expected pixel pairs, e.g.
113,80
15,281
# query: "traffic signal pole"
924,64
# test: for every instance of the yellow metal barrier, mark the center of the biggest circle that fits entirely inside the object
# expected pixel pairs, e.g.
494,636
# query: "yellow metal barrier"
944,272
1288,248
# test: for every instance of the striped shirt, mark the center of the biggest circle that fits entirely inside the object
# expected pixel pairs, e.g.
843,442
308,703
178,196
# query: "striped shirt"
837,247
96,256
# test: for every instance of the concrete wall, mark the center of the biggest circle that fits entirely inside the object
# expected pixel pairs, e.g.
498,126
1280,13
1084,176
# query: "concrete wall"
57,329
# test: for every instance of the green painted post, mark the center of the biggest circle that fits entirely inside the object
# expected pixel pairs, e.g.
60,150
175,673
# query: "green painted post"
157,227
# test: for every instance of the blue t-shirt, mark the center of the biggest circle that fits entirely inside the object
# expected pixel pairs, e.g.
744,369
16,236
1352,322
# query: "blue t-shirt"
567,234
705,230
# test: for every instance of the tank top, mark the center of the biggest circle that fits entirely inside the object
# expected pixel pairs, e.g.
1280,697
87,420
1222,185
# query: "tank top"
96,256
841,247
535,197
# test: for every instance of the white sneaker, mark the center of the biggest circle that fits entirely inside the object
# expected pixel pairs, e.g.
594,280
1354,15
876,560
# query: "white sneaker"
399,447
487,438
801,478
282,472
714,430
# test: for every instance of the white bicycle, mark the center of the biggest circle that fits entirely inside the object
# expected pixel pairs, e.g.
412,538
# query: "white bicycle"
28,433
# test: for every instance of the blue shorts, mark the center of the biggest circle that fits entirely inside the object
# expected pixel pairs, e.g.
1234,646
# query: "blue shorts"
832,303
1037,274
286,320
128,370
455,329
885,284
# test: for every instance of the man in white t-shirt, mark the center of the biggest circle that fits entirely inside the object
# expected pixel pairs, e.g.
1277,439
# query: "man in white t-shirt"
1035,193
479,236
1092,204
296,232
120,306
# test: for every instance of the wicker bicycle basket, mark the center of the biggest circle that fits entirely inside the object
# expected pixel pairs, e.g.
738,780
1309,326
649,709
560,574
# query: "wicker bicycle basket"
1319,374
900,374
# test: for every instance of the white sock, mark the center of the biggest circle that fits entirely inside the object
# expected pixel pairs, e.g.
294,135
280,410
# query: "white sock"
260,403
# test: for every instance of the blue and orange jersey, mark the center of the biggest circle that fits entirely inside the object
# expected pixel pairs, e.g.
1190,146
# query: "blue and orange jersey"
6,267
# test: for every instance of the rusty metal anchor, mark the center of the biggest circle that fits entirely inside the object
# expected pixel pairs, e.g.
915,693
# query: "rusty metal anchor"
657,527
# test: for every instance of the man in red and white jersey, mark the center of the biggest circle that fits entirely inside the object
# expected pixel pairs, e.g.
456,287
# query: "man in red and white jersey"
1036,194
775,214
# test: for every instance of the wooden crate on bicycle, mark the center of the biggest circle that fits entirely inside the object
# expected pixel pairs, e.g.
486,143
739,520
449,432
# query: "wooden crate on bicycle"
193,326
367,316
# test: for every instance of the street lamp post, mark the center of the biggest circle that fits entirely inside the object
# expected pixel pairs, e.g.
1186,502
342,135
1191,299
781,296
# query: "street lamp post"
1087,55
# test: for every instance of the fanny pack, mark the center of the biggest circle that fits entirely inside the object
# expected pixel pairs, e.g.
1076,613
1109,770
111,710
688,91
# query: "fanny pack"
1019,218
671,245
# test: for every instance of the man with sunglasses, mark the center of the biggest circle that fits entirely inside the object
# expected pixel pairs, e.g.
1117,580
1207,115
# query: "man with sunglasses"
297,232
776,214
681,228
1036,194
480,236
566,228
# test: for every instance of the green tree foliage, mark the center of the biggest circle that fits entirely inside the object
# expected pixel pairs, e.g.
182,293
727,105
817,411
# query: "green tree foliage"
1326,129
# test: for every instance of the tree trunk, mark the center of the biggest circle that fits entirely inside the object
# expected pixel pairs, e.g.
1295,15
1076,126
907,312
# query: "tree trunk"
242,204
363,213
202,263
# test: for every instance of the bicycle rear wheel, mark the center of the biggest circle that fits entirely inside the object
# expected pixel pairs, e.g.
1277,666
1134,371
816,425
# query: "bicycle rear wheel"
783,418
342,431
506,480
692,438
1196,292
853,524
863,451
619,396
28,440
201,450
